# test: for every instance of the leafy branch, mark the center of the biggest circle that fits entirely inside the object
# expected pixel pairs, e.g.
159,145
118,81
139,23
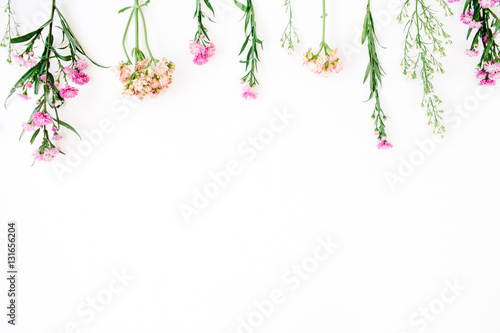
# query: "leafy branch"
290,33
374,72
201,35
251,44
425,42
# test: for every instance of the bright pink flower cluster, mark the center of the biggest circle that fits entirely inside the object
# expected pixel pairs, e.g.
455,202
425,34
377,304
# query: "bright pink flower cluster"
147,79
489,74
46,155
384,144
468,19
323,65
26,60
201,53
77,76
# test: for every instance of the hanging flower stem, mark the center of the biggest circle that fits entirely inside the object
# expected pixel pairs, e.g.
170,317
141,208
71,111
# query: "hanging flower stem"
290,33
375,73
11,31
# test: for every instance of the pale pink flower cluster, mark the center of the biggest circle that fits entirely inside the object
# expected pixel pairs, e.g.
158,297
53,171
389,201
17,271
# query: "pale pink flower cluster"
323,65
147,79
46,155
248,92
25,60
201,53
488,3
384,144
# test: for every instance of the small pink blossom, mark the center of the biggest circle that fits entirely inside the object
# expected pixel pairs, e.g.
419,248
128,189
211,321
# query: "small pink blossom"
475,25
20,60
28,127
196,48
80,78
491,68
68,92
384,144
81,65
210,50
488,3
200,59
57,137
30,63
480,74
70,72
29,85
41,118
248,93
471,53
466,18
47,155
24,96
487,82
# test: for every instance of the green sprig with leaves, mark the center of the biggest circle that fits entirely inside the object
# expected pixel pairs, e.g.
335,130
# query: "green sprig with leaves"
201,35
51,85
425,40
374,72
290,35
11,31
251,44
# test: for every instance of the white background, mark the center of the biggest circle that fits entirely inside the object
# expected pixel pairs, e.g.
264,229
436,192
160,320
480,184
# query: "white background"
118,206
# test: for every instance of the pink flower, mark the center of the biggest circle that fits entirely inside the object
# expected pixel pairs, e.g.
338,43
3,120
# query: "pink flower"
142,64
384,144
29,85
47,155
452,1
28,127
24,96
30,63
210,50
161,68
68,92
80,78
480,74
200,59
466,18
70,72
57,137
20,60
487,82
491,68
81,65
471,53
41,118
488,3
475,25
196,48
248,93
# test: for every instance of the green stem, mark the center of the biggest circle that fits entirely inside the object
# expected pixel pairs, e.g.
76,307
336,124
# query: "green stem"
125,37
146,35
136,11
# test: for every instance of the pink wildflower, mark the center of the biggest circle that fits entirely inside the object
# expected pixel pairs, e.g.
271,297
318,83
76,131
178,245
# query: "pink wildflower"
70,72
196,48
480,74
466,18
471,53
488,3
41,118
248,92
200,59
24,96
28,127
487,82
384,144
57,137
80,78
210,50
68,92
491,68
81,65
20,60
475,25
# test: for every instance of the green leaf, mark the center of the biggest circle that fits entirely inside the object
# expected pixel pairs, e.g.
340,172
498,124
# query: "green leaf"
124,9
30,35
33,137
68,126
23,78
209,5
240,6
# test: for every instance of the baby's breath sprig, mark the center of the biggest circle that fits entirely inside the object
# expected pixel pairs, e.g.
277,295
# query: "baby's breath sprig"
290,35
375,72
425,42
11,31
252,43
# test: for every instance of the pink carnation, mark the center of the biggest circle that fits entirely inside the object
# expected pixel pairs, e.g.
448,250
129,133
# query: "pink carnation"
81,65
196,48
466,18
80,78
24,96
210,50
28,127
487,82
384,144
68,92
488,3
200,59
475,25
471,53
47,155
41,118
57,137
70,72
248,93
